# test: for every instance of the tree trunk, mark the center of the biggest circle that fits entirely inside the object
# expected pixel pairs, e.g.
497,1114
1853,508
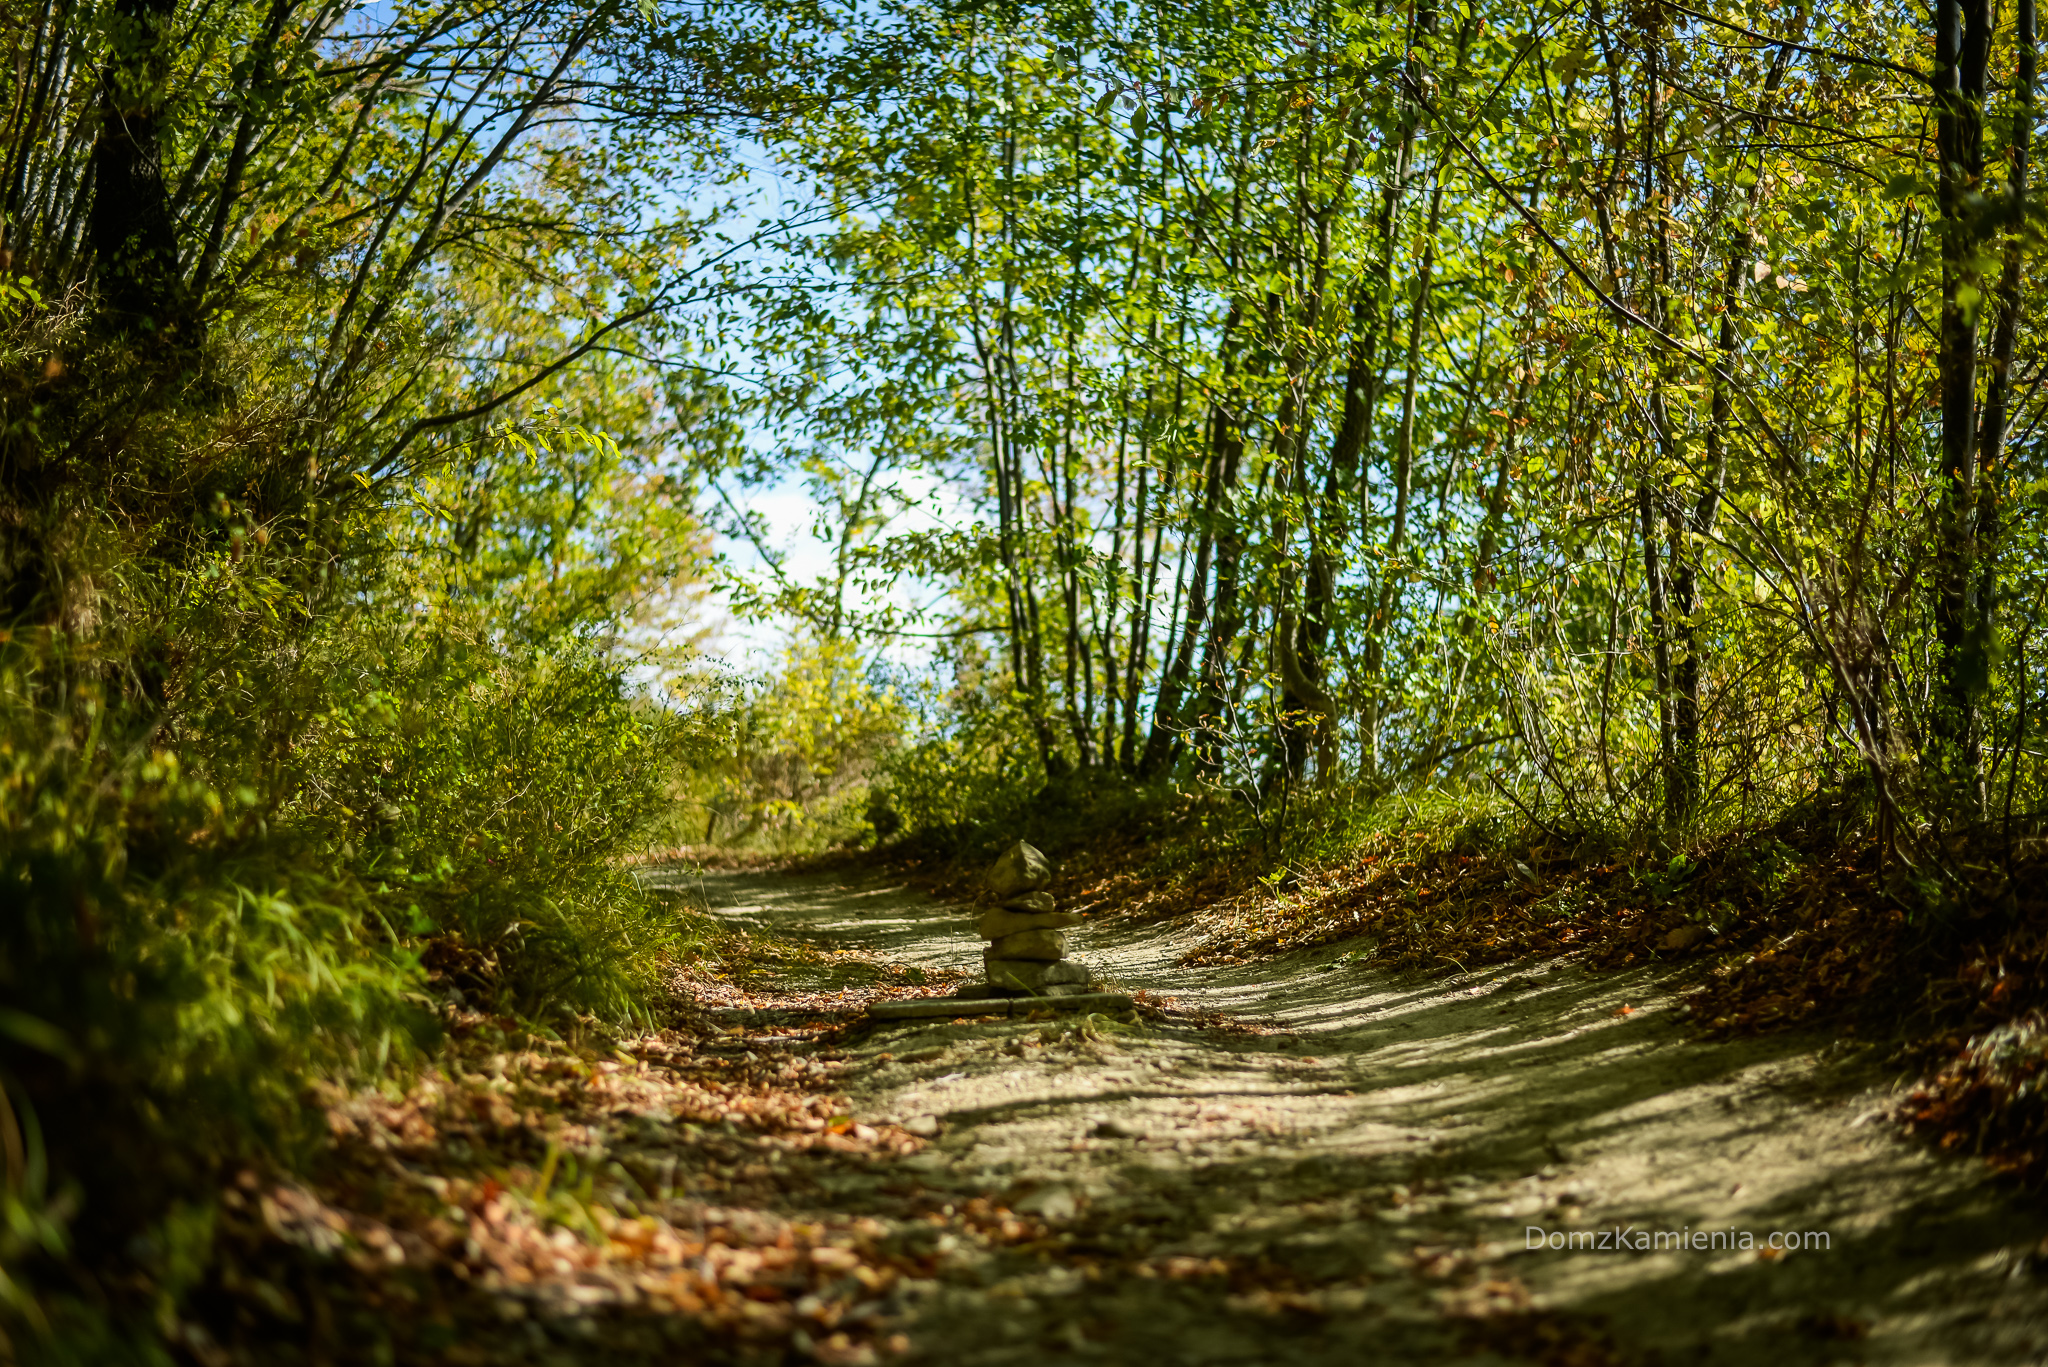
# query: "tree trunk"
1660,640
1998,389
1162,746
1141,607
1392,577
1682,676
1962,50
134,243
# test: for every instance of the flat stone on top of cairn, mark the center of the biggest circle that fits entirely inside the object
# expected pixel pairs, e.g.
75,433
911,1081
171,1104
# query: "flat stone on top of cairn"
1027,949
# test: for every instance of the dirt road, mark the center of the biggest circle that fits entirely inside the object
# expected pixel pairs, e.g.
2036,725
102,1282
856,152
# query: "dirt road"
1355,1166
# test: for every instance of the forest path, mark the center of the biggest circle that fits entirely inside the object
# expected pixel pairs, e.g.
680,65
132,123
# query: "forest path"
1349,1167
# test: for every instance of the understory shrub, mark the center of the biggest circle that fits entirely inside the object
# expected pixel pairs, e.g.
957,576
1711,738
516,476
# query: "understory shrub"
490,791
801,753
973,766
174,964
265,875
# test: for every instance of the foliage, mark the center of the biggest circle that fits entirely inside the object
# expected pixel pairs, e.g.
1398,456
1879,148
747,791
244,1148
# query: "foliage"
173,965
1382,397
971,766
341,508
806,744
490,791
1309,414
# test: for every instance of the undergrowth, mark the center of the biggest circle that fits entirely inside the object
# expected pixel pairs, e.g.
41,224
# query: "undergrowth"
272,879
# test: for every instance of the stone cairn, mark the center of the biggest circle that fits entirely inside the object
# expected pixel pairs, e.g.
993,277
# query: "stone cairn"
1026,932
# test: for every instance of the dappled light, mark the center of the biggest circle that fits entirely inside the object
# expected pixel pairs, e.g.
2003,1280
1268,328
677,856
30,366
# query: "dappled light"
866,682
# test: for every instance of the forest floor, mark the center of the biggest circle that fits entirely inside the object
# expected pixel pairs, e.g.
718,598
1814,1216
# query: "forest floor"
1301,1160
1307,1160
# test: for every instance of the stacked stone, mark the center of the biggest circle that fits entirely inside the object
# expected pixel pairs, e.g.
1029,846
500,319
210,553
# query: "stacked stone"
1026,931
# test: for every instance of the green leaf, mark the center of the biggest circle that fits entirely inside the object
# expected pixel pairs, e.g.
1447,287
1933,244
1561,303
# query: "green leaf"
36,1034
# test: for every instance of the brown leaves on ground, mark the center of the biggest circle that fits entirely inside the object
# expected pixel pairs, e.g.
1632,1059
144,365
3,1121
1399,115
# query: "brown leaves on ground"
814,1008
670,1177
1781,939
736,1274
481,1096
1413,906
1991,1097
699,1193
1549,1338
700,1188
743,972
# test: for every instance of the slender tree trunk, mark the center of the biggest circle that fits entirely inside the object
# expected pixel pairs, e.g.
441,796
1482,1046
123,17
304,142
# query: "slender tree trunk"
135,248
1300,643
1682,792
995,388
1392,577
1141,608
1497,498
1080,666
1080,669
1168,725
1224,619
1318,609
1032,679
1963,31
1682,758
1660,638
2005,340
1104,621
